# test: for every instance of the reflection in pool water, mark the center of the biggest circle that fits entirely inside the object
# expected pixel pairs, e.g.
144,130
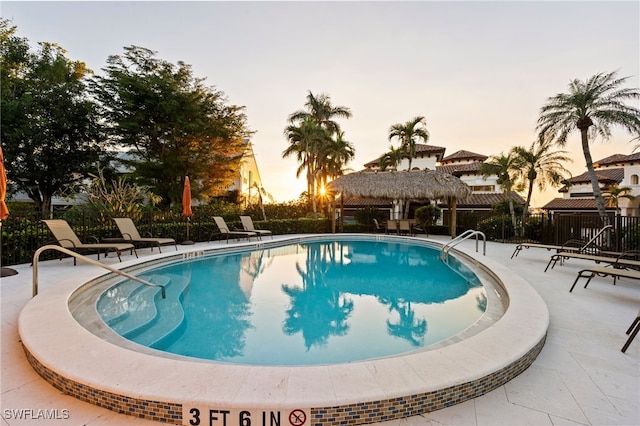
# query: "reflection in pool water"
300,304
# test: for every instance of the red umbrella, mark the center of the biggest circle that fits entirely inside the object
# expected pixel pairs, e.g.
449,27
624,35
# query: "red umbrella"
186,206
186,198
4,211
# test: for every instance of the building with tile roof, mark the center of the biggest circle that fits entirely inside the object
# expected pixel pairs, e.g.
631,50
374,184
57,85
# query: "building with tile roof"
462,164
615,170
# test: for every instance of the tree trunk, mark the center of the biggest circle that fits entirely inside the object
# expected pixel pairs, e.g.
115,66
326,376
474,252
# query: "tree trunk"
597,193
526,206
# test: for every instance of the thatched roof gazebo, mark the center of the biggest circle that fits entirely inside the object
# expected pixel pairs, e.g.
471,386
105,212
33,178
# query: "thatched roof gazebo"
403,185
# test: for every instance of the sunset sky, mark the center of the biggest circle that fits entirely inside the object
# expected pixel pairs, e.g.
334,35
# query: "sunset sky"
478,71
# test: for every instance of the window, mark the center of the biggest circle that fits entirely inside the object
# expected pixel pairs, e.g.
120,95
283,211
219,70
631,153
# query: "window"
478,188
634,179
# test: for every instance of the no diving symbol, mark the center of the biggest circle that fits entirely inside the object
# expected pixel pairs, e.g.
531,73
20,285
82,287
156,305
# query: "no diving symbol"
297,418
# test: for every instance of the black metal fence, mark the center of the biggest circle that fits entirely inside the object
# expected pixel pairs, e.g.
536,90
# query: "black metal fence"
23,234
556,228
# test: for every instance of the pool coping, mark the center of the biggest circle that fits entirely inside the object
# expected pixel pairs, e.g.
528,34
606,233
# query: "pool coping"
170,390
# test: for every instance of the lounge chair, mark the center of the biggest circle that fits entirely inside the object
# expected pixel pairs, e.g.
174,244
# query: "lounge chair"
247,224
577,246
632,331
569,246
604,271
224,230
376,226
404,227
130,233
392,226
627,259
68,239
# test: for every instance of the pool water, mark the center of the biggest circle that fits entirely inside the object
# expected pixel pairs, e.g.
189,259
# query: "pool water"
299,304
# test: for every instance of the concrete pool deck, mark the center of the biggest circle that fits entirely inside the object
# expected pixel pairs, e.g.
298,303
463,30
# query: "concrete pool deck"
580,377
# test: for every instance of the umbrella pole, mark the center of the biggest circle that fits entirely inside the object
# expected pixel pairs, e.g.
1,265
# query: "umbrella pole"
187,242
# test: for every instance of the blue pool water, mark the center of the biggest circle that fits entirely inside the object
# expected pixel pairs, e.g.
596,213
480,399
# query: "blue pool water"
299,304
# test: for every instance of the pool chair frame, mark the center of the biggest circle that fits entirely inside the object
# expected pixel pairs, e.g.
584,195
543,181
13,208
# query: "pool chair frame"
226,232
605,271
631,332
247,224
130,234
67,238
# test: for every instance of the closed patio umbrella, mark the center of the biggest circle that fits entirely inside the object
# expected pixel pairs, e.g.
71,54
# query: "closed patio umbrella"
186,206
4,211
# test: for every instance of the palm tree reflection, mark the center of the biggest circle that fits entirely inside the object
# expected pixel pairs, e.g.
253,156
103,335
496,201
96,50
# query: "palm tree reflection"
408,327
316,310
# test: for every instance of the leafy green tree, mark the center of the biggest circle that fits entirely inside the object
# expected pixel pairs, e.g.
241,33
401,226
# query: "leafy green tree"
50,127
505,167
174,125
592,107
540,164
409,134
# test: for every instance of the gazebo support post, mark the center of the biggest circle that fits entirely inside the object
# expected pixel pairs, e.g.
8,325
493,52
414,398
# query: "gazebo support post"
454,216
341,212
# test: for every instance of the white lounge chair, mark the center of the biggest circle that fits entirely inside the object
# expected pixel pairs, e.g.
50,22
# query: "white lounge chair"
130,233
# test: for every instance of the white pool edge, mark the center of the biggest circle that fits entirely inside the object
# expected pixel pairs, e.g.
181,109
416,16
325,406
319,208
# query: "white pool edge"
62,350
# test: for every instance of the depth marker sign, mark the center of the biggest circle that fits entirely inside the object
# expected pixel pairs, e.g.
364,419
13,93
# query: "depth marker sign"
199,416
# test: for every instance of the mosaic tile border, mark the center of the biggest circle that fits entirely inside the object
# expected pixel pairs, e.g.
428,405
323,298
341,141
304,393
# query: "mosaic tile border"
352,414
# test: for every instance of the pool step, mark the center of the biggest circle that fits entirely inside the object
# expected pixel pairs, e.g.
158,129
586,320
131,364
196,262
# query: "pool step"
161,318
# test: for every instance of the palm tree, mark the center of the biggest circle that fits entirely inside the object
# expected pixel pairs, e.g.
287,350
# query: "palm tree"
391,158
320,109
593,107
506,168
305,141
540,164
615,193
409,134
321,113
332,157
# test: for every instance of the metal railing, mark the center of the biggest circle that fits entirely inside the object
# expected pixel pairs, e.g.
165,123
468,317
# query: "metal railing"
86,259
469,233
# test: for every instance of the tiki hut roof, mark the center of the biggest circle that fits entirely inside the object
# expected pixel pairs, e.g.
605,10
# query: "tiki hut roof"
414,185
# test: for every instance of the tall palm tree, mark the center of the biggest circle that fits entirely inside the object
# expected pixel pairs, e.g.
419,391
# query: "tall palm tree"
593,107
409,134
506,168
615,193
305,141
541,164
318,110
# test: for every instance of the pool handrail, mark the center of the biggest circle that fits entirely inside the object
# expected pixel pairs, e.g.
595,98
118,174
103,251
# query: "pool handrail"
444,252
36,255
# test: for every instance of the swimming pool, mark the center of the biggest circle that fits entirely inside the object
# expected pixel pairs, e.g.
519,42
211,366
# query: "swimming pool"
308,303
102,368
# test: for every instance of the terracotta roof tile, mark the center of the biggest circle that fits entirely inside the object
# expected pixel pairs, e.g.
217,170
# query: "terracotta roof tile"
421,149
485,200
618,159
464,155
459,169
572,204
604,176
